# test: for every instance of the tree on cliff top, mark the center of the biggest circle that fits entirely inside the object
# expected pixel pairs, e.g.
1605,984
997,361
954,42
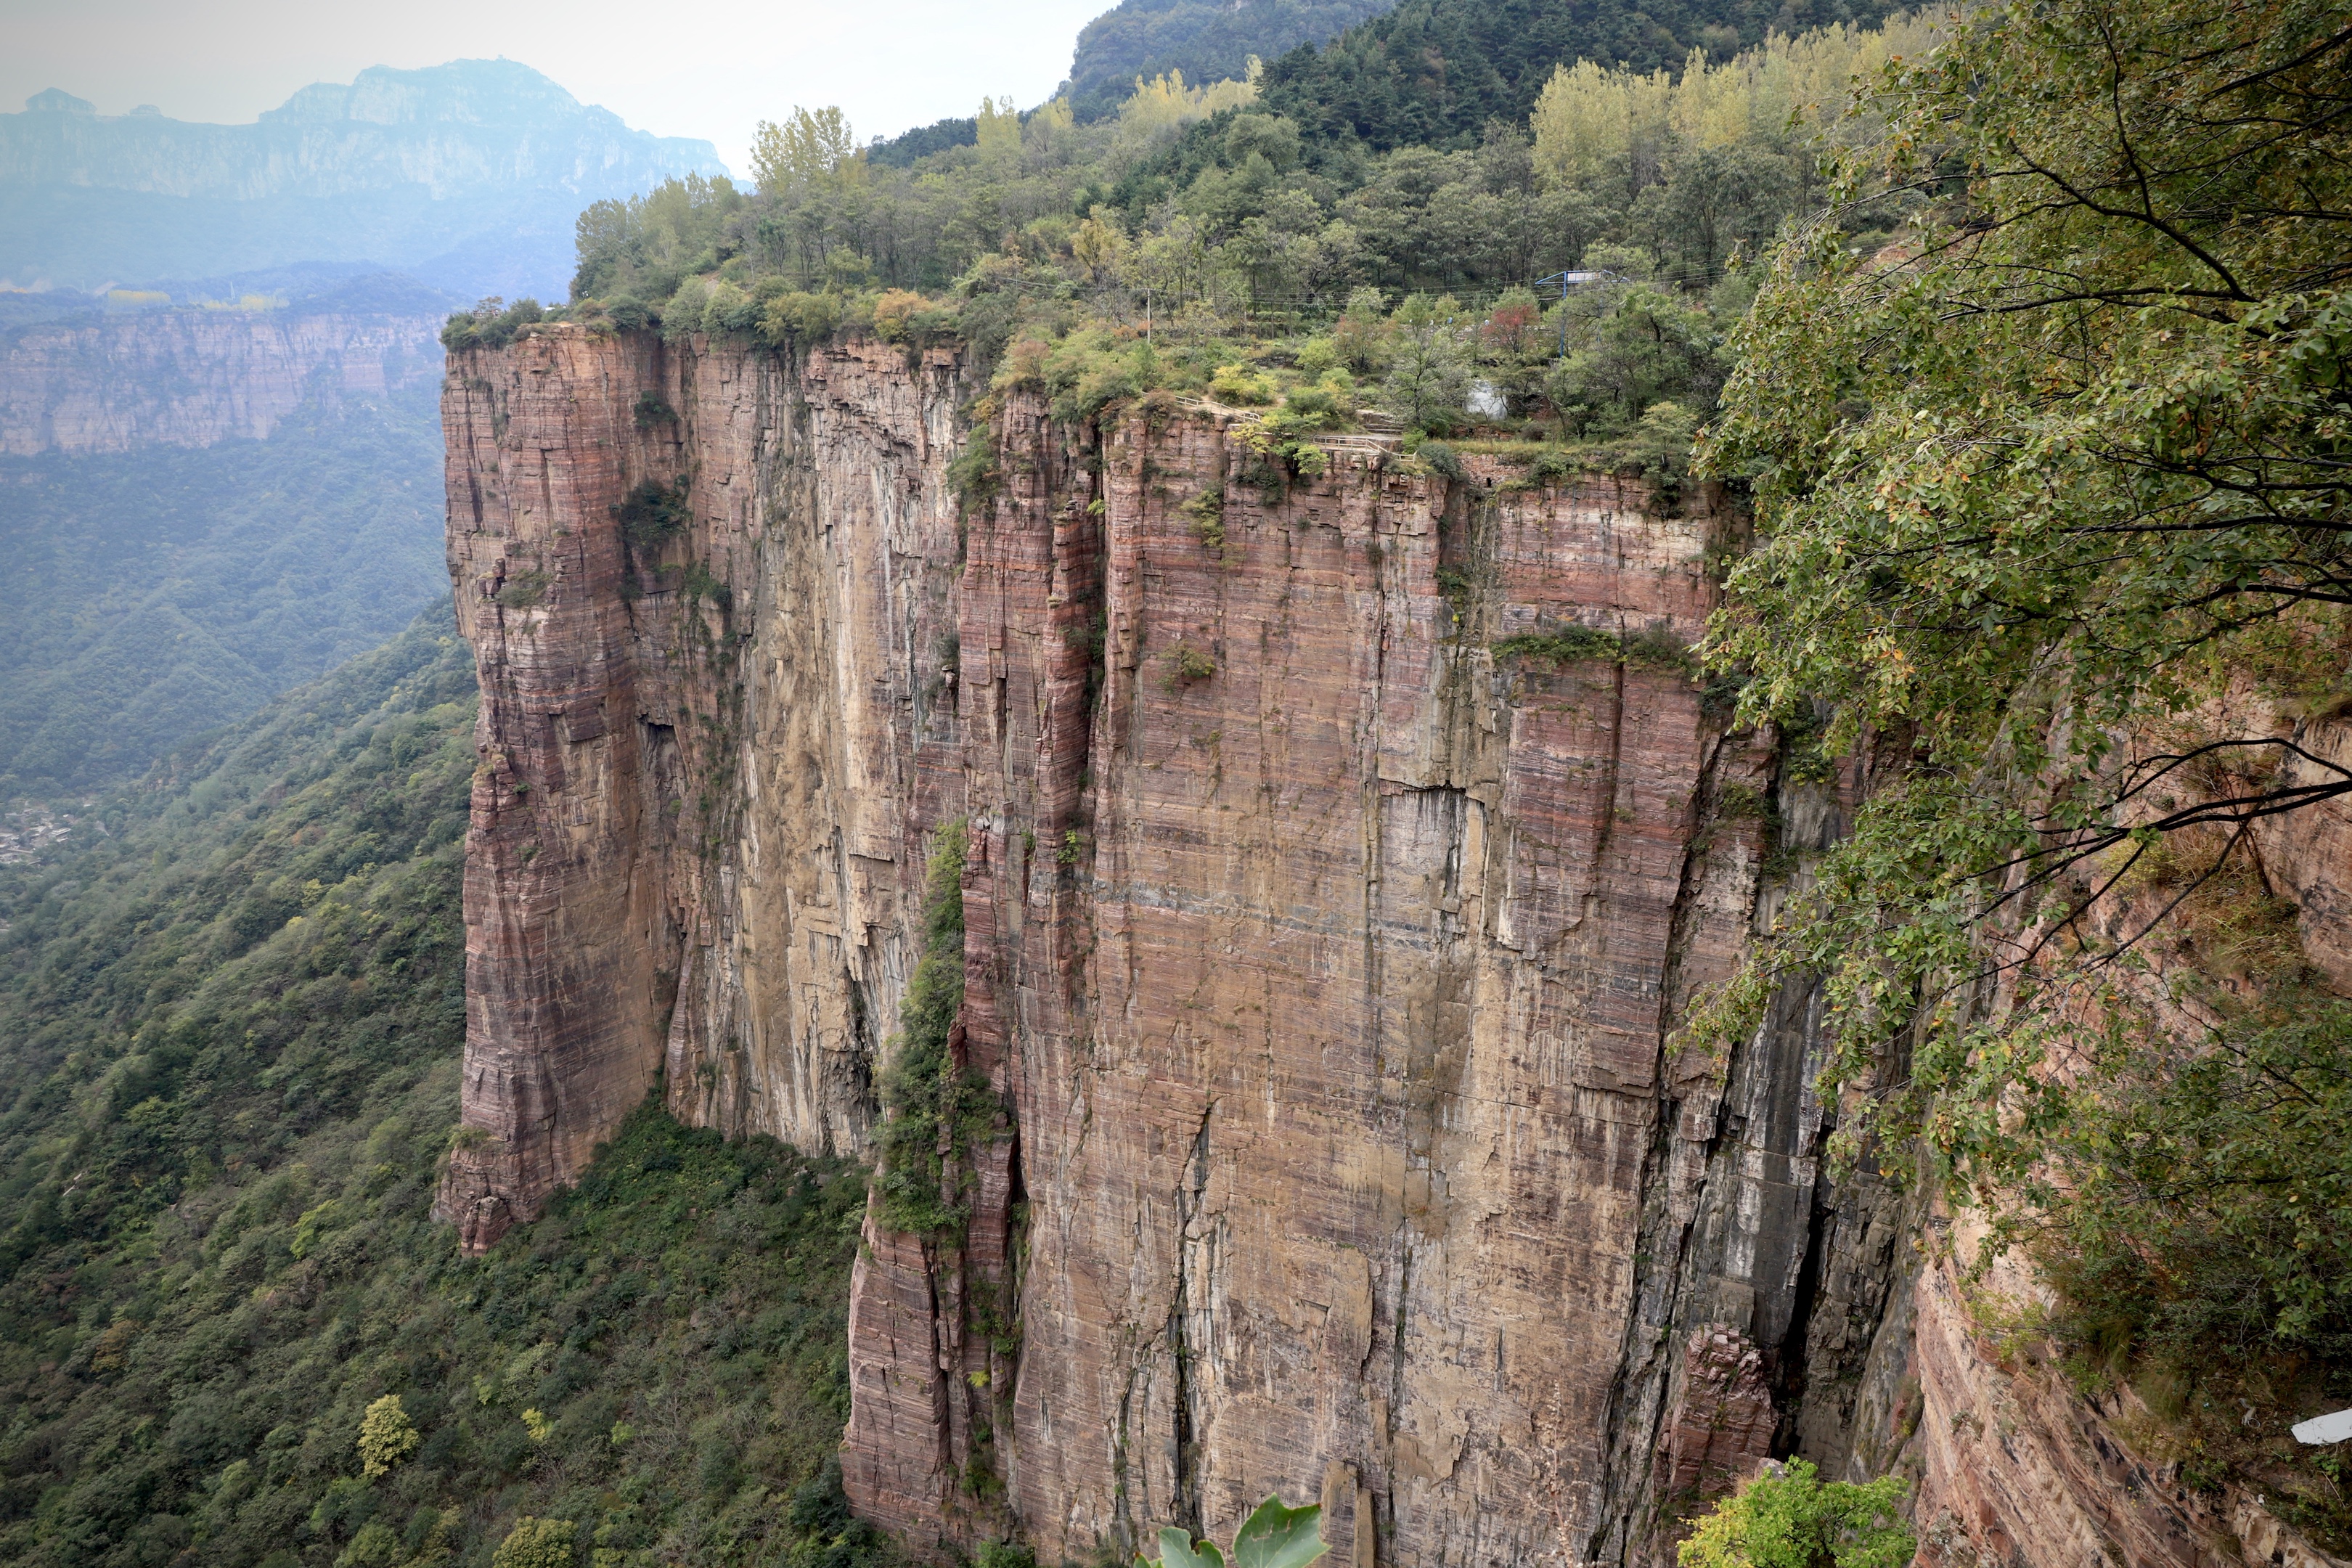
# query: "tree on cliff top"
2053,533
2034,483
1213,230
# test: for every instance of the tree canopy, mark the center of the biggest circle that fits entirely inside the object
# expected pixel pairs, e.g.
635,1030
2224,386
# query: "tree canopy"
2050,583
1435,72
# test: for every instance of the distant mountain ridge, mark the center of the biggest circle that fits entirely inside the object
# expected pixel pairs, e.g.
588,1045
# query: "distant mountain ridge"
467,176
108,379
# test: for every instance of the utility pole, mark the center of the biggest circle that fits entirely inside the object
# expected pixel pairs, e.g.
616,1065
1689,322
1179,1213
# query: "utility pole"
1567,280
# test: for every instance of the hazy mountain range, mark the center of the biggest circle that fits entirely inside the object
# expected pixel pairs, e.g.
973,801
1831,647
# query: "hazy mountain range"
467,176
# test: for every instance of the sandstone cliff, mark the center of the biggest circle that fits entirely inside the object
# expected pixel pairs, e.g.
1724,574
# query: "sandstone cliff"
191,378
1322,948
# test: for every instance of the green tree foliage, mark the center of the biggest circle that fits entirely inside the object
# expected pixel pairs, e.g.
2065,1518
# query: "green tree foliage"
492,324
536,1543
1429,373
1436,72
2208,1203
1205,40
900,152
1708,161
634,252
229,1042
1789,1517
1198,220
652,514
386,1435
2029,490
811,146
1630,349
149,596
2052,533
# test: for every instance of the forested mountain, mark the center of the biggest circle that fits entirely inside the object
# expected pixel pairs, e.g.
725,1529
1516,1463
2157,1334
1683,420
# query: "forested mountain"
229,1036
148,594
464,176
1436,72
1207,40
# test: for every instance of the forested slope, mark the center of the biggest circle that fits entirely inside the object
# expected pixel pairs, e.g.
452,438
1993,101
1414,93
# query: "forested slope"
1206,40
229,1040
1435,72
148,594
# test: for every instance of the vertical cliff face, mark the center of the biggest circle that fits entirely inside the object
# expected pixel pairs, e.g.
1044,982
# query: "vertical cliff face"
709,741
1339,855
191,378
1327,957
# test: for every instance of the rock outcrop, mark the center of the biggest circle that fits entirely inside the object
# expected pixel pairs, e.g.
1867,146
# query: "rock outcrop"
692,843
1340,851
191,378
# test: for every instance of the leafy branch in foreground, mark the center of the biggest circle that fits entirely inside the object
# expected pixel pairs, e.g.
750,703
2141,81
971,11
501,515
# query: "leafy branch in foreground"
2035,486
1274,1536
2054,550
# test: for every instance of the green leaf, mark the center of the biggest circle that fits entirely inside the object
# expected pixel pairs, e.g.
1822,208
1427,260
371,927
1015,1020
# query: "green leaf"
1178,1550
1279,1537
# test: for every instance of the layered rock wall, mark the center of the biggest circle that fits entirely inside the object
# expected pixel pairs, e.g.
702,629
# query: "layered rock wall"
1340,852
698,824
192,378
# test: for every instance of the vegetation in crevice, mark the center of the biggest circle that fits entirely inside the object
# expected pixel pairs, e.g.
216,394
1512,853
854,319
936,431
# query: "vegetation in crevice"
1186,666
1207,512
936,1107
975,476
651,515
1652,648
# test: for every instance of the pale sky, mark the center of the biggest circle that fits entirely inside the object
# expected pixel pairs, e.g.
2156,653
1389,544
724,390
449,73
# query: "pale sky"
712,68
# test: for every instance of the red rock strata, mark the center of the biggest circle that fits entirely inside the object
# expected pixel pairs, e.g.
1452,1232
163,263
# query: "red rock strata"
1323,947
